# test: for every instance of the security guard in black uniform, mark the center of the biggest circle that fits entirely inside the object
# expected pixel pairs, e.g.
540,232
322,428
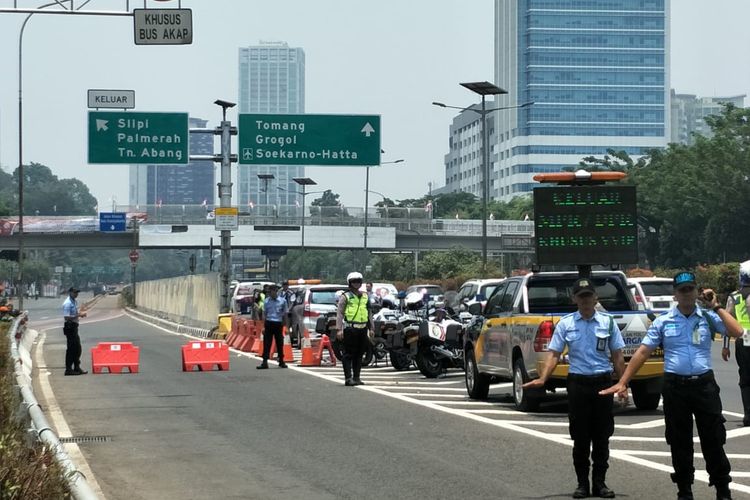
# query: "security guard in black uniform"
353,323
592,338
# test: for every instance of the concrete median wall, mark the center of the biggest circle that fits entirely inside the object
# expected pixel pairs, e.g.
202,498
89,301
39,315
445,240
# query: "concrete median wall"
189,300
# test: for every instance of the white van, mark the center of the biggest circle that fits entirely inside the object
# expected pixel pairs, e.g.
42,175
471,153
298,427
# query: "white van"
655,294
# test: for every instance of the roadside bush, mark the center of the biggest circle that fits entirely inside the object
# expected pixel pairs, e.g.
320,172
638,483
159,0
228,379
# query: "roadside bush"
26,472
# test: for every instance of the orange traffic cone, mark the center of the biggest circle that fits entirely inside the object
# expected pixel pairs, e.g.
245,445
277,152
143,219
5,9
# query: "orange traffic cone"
288,353
258,345
308,358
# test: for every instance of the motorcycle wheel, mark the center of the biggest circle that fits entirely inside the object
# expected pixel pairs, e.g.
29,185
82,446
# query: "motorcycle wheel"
367,356
428,364
378,348
400,361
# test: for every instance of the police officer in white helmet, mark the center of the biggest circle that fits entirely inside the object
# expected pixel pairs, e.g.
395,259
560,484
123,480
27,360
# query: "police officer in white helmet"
737,307
353,322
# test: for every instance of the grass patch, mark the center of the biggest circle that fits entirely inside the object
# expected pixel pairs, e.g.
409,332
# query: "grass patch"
26,472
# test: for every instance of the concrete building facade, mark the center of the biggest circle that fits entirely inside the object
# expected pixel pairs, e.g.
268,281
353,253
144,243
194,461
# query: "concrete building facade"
689,114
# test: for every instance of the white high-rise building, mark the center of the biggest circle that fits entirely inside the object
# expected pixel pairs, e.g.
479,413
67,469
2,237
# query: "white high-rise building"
272,80
689,114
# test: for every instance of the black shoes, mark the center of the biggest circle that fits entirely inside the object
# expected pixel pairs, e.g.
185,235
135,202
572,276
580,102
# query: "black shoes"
358,382
283,365
262,366
350,382
746,421
602,491
722,492
582,491
77,371
684,492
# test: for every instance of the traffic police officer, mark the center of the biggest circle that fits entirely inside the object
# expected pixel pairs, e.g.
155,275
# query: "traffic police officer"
592,338
275,309
685,332
353,322
737,307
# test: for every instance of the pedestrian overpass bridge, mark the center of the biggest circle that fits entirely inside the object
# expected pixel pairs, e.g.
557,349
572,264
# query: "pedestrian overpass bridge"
390,230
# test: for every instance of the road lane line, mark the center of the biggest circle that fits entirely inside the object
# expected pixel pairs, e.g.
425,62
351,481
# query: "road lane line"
56,417
470,414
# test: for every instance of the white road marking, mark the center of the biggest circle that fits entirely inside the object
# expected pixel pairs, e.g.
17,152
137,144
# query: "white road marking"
418,388
629,456
56,417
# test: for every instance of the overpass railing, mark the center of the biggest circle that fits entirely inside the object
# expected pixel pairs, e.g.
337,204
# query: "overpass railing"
414,220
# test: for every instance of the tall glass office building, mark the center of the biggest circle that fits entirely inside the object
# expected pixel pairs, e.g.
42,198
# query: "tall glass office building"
272,80
598,74
190,184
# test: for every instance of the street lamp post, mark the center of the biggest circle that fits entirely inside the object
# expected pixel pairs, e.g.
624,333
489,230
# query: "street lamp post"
367,192
304,182
266,178
484,89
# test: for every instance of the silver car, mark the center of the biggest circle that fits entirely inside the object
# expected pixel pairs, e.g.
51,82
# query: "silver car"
310,303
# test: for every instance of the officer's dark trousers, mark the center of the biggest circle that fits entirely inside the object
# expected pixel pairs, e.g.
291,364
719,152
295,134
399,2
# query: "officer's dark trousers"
73,351
743,362
353,348
273,330
684,397
591,424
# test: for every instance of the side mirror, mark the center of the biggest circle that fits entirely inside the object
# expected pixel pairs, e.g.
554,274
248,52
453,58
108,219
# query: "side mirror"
475,309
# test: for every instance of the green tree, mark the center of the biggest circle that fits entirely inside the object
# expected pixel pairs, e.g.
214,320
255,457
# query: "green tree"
45,193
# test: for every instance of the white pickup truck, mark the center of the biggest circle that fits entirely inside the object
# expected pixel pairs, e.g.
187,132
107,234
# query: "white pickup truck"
508,339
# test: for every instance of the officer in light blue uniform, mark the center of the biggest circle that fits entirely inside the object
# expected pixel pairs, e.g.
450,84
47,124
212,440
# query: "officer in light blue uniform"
689,385
592,339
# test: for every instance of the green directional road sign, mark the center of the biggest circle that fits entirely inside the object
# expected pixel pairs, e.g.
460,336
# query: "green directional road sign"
333,140
128,137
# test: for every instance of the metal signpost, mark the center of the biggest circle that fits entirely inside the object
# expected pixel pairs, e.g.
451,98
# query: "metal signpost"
117,99
327,140
163,26
138,138
112,222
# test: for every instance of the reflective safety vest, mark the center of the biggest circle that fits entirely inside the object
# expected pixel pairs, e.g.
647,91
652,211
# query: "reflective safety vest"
356,308
740,310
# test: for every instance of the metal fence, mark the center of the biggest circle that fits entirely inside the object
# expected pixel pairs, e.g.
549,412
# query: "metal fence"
415,220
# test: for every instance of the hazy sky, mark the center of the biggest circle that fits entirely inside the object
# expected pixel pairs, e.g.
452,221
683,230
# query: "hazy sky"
390,57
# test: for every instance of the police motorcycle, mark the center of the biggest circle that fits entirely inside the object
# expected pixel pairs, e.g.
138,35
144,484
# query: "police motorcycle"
397,329
440,343
415,333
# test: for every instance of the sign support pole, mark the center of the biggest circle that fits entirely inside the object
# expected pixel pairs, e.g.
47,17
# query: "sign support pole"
225,199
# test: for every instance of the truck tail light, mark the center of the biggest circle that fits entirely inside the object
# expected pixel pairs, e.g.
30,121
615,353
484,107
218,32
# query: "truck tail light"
543,336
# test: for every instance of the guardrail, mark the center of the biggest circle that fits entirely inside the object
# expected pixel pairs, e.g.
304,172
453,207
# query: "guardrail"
20,345
403,219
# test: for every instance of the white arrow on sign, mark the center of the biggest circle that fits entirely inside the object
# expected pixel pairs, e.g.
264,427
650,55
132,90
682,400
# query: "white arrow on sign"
112,227
367,129
101,125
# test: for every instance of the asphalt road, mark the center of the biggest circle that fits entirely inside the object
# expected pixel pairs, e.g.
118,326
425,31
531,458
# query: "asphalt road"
299,433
